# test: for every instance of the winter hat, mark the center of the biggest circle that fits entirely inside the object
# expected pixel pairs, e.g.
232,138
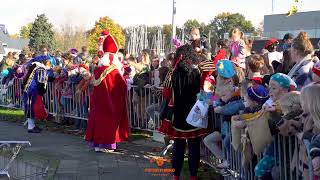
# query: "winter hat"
316,68
225,68
39,58
73,52
271,42
258,94
284,81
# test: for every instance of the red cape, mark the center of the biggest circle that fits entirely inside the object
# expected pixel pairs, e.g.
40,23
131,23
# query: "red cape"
108,117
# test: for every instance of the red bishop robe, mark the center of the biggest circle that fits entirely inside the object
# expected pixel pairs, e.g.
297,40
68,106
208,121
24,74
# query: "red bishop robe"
108,117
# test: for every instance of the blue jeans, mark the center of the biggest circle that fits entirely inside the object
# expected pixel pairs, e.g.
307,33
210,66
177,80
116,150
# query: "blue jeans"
225,133
152,109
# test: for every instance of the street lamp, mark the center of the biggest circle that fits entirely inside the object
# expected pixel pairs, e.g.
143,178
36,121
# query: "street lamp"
173,22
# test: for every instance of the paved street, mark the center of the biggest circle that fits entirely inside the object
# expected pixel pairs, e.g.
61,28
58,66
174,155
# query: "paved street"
68,156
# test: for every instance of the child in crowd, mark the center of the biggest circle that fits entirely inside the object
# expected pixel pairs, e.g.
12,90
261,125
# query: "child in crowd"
310,101
254,97
255,69
229,104
199,43
222,51
237,47
291,109
274,57
279,85
292,122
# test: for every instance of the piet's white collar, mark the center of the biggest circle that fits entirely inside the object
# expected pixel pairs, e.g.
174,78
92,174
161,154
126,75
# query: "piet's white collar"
40,65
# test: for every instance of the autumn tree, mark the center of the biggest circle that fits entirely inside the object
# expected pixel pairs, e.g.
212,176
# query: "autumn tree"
69,36
14,36
42,34
259,30
167,33
25,31
224,22
105,23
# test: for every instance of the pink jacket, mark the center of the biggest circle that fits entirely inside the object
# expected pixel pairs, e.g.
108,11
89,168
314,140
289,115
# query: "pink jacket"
238,53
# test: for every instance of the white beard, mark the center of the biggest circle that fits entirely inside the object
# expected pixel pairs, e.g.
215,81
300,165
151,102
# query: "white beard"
105,61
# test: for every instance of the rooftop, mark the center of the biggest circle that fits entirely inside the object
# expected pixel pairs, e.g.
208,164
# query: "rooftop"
12,43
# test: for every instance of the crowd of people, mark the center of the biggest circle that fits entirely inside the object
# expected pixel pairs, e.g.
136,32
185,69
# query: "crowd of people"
255,96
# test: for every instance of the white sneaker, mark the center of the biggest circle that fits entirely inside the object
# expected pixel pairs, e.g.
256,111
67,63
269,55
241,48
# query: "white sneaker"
97,149
151,124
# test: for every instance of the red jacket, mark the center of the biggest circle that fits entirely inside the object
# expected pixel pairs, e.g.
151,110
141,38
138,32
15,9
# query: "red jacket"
221,54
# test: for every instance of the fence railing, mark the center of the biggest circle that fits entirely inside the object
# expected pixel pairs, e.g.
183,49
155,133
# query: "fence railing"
144,106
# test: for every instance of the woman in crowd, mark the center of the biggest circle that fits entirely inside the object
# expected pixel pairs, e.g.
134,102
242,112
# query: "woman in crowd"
301,53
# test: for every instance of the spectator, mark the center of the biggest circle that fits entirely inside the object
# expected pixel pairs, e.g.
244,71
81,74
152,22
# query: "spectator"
287,42
155,71
310,104
199,43
287,63
58,58
237,47
22,59
256,69
74,53
274,57
44,51
317,53
83,57
301,53
222,51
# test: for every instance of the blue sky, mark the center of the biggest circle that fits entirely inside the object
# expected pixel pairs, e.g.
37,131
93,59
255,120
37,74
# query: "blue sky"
15,13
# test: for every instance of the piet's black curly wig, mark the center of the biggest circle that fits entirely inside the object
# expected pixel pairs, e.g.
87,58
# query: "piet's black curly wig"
188,57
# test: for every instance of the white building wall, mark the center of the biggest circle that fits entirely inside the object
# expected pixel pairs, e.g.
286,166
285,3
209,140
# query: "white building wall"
313,33
11,50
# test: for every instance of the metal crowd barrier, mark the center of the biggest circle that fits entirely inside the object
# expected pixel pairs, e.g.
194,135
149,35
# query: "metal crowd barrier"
143,110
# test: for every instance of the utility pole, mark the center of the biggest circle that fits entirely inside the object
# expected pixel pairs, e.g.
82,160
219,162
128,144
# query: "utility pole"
173,22
272,6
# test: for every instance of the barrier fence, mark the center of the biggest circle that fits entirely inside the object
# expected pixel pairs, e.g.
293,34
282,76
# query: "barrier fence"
66,100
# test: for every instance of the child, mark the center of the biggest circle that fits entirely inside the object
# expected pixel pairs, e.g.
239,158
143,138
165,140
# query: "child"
230,104
226,73
237,47
279,85
291,123
222,51
198,43
310,102
291,109
256,66
254,97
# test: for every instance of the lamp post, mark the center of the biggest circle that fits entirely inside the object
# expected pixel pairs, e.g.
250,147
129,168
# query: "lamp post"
272,11
173,22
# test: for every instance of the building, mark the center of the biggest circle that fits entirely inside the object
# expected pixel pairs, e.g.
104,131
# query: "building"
8,44
279,24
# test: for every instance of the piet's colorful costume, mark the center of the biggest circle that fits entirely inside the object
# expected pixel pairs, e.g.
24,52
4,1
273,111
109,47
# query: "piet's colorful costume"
182,86
108,118
34,86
